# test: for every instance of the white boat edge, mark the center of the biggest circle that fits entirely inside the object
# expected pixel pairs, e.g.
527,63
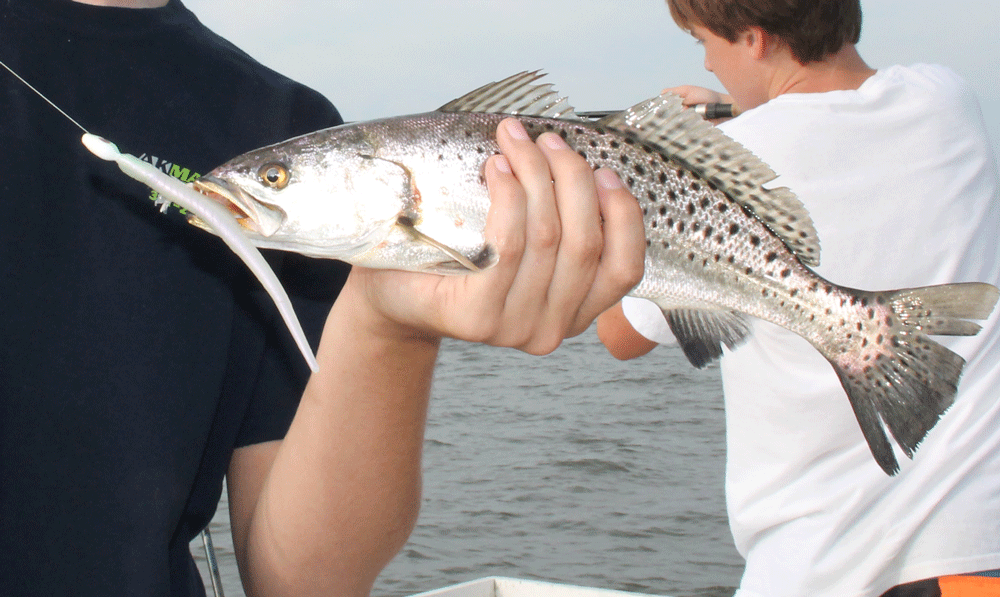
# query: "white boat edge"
499,586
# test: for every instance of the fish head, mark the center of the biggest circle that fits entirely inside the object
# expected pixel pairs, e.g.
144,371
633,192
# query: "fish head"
324,194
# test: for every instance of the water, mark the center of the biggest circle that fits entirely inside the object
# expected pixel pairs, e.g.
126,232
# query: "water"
571,468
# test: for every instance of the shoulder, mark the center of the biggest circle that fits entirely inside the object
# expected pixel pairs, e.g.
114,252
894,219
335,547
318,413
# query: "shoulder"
259,94
933,86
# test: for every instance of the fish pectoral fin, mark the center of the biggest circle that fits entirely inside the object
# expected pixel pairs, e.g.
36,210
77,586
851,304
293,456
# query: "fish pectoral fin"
702,332
406,223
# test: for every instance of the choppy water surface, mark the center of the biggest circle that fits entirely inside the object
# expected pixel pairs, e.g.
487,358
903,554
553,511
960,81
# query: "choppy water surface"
572,468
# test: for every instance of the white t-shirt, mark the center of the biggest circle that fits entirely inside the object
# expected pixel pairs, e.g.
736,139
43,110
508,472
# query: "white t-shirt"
901,183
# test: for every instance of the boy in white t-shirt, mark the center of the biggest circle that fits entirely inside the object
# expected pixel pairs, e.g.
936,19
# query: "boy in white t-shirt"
896,171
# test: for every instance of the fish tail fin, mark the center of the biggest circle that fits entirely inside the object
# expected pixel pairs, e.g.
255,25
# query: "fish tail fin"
900,379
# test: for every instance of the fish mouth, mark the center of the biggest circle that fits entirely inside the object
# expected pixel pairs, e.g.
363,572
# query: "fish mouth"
250,213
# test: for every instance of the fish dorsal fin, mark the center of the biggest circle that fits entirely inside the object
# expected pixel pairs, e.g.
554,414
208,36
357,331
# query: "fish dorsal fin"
516,95
696,144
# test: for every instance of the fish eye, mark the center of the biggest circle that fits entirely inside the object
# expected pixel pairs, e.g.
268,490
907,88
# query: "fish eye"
274,175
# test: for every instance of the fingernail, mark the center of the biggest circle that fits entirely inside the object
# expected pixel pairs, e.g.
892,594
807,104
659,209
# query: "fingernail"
502,164
516,130
554,141
608,179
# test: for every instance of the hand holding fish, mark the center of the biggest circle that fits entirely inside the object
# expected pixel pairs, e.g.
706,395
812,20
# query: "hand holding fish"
703,100
559,265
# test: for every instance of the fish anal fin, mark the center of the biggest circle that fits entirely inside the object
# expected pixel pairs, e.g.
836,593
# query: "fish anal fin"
701,333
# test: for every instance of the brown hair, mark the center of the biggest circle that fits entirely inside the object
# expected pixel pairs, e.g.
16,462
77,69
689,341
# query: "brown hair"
812,29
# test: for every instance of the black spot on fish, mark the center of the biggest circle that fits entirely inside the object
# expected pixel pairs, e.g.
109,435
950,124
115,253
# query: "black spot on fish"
770,257
755,240
670,222
785,273
604,155
624,160
652,196
722,207
690,209
640,170
615,144
672,195
663,210
734,229
708,231
680,226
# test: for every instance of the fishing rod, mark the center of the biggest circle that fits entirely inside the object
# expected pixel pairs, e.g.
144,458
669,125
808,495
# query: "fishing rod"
706,111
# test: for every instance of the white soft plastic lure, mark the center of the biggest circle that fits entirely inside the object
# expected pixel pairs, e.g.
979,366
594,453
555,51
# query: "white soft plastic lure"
218,218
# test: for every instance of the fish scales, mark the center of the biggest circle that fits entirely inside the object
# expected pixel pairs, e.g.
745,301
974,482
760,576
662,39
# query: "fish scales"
409,193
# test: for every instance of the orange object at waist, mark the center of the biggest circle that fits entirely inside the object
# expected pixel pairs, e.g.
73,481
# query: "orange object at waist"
969,586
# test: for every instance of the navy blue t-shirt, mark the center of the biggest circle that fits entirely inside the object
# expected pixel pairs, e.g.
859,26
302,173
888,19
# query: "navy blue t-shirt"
136,352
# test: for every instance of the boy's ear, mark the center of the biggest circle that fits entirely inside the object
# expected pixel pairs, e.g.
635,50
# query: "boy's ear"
758,42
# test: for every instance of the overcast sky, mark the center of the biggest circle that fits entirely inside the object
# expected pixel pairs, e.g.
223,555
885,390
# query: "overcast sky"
377,58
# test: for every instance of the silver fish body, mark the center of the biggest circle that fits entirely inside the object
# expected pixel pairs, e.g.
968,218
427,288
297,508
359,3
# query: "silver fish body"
408,193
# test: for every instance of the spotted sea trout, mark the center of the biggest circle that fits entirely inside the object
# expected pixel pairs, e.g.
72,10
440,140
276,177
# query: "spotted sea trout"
408,193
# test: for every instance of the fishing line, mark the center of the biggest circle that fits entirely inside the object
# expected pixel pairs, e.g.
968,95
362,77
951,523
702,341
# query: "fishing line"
42,95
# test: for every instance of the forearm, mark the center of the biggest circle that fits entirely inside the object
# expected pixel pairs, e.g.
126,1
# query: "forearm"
343,493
